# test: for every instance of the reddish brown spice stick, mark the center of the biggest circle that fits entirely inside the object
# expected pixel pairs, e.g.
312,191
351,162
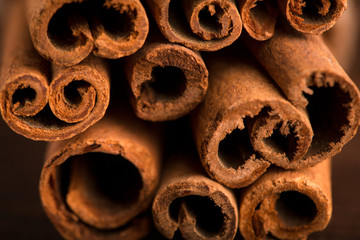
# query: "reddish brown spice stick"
190,202
313,17
62,33
41,106
167,81
245,114
93,185
202,25
312,79
259,17
287,204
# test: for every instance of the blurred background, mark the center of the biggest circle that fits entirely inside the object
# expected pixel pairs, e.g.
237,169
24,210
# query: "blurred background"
21,214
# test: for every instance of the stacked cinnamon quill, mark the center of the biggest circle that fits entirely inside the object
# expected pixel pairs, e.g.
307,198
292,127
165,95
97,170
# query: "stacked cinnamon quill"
161,138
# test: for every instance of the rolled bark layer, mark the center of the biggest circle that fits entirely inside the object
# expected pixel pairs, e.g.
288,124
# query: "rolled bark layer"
41,106
312,79
259,18
287,204
190,202
67,31
95,184
245,114
313,17
202,25
167,81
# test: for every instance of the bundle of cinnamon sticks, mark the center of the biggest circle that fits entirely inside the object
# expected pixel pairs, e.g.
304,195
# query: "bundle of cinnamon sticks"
168,118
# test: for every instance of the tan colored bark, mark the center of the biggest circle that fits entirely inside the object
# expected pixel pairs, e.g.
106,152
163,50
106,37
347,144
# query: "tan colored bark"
41,104
204,208
95,185
311,78
287,204
245,114
314,17
167,80
202,25
62,34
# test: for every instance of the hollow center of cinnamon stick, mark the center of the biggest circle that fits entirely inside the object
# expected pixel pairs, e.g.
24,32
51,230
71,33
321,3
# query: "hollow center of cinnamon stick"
315,10
23,95
166,83
74,90
117,23
263,13
100,183
328,110
235,149
208,216
209,18
295,209
60,26
282,143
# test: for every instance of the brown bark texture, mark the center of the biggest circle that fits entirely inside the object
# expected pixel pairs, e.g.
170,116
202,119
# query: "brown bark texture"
287,204
95,185
245,123
312,79
259,17
167,80
190,202
65,32
313,17
202,25
44,103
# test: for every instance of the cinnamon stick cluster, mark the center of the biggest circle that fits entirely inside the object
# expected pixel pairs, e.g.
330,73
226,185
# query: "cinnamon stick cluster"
264,115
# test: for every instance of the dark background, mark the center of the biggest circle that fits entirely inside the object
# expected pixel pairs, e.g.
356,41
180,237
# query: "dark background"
21,215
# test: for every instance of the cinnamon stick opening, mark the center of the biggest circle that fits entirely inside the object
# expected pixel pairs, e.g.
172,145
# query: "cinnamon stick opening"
167,81
295,209
235,149
98,184
328,109
259,18
207,215
66,32
202,25
313,17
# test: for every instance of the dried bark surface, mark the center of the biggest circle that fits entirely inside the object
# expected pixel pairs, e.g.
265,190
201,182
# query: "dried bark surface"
167,81
202,25
287,204
314,17
95,185
312,79
245,123
65,32
190,202
47,104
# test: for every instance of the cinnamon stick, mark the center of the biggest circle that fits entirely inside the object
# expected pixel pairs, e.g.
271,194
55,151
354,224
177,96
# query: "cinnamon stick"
245,123
167,80
94,185
47,104
62,33
311,78
202,25
313,17
188,202
287,204
259,17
